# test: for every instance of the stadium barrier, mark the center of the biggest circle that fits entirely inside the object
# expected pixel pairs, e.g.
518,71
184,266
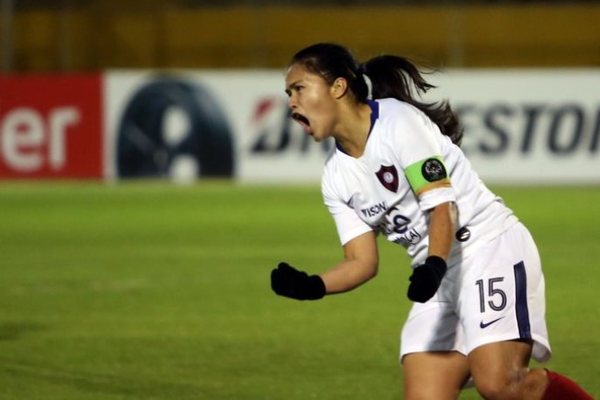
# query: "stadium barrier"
521,126
63,36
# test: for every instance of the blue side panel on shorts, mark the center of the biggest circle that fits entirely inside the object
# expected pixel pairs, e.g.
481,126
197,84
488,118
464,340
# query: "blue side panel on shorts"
521,301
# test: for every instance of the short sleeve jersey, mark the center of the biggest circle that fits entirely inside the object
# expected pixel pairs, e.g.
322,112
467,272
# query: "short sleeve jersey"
408,167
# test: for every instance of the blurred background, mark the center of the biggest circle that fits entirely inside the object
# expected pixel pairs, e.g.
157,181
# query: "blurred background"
78,35
115,287
191,88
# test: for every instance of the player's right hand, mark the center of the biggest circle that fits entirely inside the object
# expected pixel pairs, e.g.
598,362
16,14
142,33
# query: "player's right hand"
289,282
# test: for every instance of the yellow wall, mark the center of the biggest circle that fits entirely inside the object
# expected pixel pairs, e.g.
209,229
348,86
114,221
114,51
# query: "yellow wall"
467,36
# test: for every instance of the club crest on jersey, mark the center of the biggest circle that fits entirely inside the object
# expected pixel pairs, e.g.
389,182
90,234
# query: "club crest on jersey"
433,170
388,176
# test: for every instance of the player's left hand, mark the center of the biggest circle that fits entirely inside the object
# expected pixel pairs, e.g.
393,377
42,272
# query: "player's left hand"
426,279
289,282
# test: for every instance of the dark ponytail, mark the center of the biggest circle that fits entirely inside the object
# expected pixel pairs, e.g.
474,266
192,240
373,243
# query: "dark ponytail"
393,76
390,76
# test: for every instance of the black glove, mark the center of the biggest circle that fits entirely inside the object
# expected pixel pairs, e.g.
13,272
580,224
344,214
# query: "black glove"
289,282
426,279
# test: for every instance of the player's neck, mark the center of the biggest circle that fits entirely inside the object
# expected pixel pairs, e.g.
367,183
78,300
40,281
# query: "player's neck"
353,128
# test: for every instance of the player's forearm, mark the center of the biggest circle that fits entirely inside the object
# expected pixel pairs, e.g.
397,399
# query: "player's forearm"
348,275
442,225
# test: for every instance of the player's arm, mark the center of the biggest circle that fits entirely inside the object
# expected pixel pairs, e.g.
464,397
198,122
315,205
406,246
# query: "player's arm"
419,151
359,265
442,225
431,184
427,277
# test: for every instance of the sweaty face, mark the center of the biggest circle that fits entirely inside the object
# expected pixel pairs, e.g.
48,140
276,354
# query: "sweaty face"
311,101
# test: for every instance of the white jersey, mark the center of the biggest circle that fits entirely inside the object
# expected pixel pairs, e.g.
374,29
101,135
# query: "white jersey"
408,167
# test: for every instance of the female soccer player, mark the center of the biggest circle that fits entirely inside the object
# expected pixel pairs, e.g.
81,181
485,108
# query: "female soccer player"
477,283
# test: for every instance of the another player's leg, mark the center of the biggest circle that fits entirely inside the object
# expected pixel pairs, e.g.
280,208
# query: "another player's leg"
434,375
560,387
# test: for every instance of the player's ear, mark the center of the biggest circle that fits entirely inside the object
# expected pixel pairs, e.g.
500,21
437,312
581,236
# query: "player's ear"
339,88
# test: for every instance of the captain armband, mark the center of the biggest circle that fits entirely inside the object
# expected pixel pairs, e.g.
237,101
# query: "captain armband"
427,174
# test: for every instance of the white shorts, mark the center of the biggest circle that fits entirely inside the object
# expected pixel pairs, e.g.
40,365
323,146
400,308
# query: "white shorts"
494,294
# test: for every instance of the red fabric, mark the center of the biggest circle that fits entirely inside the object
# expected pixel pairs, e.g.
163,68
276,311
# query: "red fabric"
562,388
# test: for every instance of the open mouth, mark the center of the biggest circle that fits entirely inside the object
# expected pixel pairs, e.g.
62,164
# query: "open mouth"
302,120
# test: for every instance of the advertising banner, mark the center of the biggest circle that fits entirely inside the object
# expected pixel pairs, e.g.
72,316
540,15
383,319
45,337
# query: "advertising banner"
191,124
51,127
528,126
521,126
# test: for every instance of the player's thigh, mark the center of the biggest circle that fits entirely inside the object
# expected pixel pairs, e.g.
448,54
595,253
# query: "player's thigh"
434,375
500,369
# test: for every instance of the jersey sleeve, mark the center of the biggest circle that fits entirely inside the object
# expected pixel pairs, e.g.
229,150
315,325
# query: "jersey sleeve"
347,222
418,147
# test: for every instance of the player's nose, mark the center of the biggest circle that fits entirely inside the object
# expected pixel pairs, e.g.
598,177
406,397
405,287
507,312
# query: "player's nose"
292,102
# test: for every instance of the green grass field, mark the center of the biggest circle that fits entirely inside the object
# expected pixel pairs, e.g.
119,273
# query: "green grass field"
155,291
